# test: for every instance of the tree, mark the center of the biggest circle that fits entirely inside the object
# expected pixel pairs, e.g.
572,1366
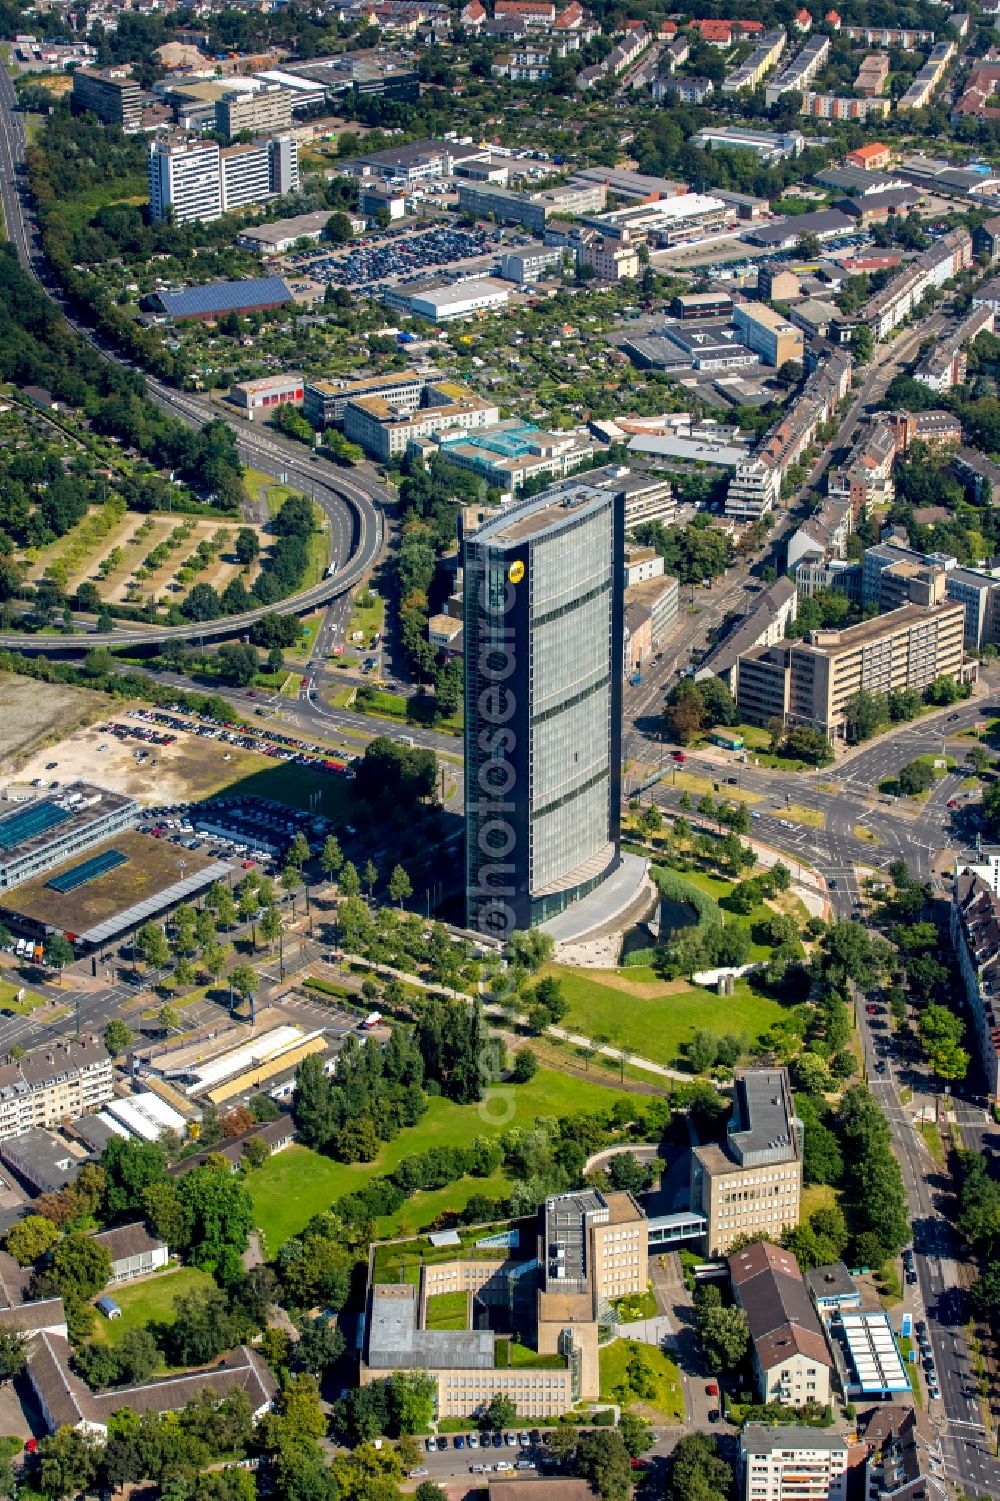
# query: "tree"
636,1433
247,546
603,1459
244,980
298,851
213,960
151,946
370,877
271,926
941,1033
79,1267
862,344
117,1037
866,713
412,1398
499,1413
400,886
699,1472
58,952
525,1066
725,1337
915,777
13,1357
130,1167
331,857
320,1346
169,1019
220,1212
67,1463
30,1238
349,882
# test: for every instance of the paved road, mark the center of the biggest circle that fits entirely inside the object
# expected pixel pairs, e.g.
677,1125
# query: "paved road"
938,1297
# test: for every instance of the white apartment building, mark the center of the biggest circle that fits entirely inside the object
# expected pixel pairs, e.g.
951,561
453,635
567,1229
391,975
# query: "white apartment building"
185,180
194,180
782,1462
54,1084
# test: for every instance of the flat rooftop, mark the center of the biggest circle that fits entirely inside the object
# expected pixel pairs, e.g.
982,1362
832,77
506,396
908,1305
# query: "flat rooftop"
853,636
150,878
763,1121
30,827
519,522
396,1340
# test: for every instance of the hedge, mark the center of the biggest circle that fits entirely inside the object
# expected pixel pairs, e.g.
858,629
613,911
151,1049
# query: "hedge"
674,888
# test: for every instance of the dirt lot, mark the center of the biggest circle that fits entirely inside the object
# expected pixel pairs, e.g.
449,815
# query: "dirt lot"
189,769
34,713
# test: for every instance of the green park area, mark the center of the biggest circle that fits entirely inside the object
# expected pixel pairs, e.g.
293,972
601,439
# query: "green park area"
298,1183
655,1018
448,1311
643,1378
149,1302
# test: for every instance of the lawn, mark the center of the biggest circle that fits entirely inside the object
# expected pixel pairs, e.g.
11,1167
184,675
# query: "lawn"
22,1007
448,1311
662,1398
639,1306
298,1183
655,1018
149,1302
798,813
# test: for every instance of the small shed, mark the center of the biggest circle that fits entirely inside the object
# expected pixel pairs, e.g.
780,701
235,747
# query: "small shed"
109,1308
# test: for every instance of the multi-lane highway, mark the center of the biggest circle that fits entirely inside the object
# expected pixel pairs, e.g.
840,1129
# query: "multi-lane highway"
351,503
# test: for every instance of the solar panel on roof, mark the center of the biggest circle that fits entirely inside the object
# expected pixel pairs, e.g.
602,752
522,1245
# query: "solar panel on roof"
226,296
28,823
88,870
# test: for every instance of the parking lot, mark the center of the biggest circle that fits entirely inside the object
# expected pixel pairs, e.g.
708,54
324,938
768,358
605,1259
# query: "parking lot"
393,258
253,830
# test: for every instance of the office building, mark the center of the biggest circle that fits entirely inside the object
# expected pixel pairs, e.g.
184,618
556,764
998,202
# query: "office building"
754,1183
800,71
509,453
767,333
531,263
789,1356
765,144
444,301
792,1464
975,936
385,430
415,162
648,497
324,402
266,110
280,235
54,1084
36,836
907,648
554,1287
532,210
114,97
543,647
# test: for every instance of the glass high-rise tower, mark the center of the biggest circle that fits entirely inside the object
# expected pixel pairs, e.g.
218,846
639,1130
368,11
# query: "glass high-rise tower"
543,588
